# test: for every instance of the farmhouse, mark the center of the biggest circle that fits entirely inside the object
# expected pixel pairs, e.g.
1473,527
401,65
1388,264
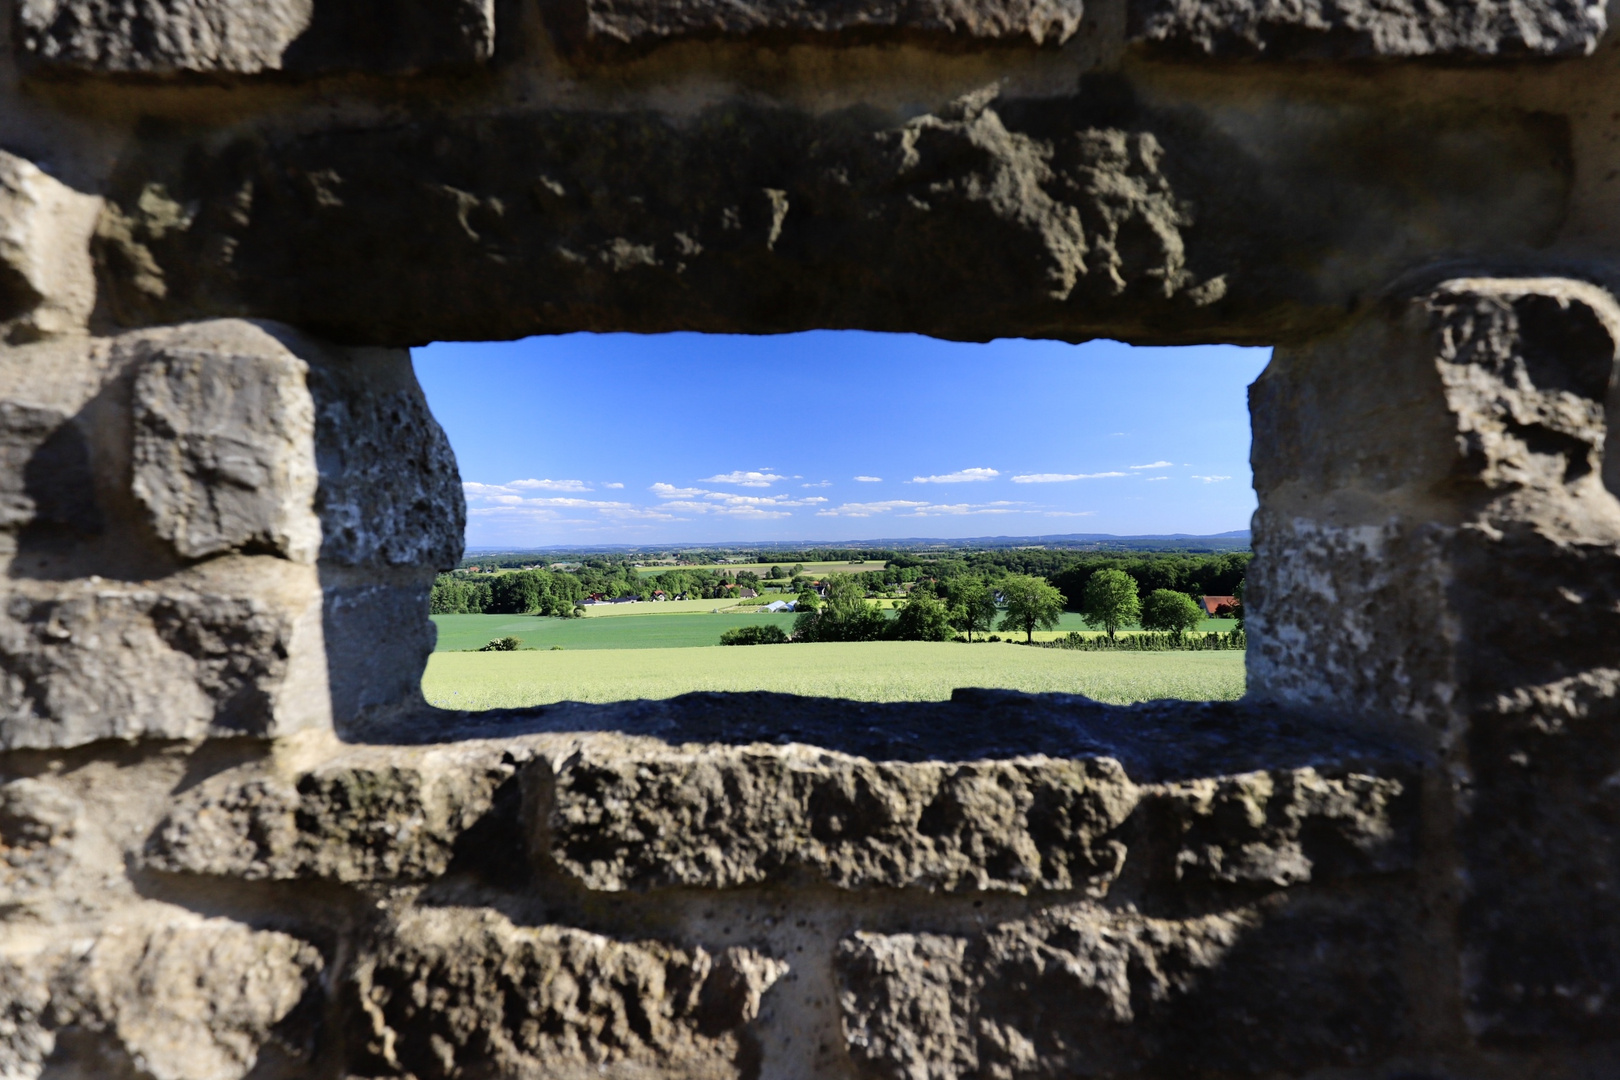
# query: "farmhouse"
1219,606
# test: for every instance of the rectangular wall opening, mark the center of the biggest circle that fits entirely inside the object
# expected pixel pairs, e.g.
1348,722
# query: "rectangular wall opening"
634,501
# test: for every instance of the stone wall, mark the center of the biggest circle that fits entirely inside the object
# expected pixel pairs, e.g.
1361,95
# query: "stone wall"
234,841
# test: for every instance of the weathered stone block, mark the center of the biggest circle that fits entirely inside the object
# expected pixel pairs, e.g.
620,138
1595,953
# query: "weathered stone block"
178,997
984,21
452,993
720,818
1079,991
199,655
1345,29
1387,543
362,815
1072,216
390,493
47,283
1289,826
37,824
223,454
250,37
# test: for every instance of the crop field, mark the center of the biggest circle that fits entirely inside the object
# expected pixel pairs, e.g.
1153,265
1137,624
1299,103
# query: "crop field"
673,624
458,633
866,671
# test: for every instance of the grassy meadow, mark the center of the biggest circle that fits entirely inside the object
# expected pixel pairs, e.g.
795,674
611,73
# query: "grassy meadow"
672,624
865,671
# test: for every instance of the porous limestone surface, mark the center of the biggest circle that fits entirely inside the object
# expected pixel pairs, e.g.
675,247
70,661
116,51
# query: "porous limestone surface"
197,520
235,843
309,907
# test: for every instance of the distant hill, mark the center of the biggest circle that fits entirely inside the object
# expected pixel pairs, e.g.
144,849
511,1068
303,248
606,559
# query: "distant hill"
1236,540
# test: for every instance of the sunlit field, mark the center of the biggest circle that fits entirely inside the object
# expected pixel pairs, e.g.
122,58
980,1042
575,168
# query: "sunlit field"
866,671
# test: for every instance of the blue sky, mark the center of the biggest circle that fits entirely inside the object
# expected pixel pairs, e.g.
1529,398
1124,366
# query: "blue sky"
839,435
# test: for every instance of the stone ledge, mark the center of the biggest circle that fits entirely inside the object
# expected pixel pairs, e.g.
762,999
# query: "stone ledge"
625,811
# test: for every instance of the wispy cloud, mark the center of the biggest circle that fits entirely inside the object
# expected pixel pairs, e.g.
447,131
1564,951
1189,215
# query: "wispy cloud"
1212,479
824,483
961,476
1150,479
917,508
1155,465
965,509
670,491
870,479
550,485
868,509
1060,478
750,478
614,486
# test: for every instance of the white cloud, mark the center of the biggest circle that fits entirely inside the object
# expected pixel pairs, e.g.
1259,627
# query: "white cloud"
613,485
1150,479
961,476
869,508
1155,465
751,478
870,479
1069,513
550,485
824,483
963,509
670,491
1060,478
1212,479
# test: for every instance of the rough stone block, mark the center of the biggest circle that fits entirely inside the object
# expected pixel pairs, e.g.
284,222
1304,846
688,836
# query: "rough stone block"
363,815
454,992
1079,991
1289,826
390,493
223,452
47,283
250,37
178,997
1458,457
46,479
37,824
1346,29
1036,22
721,818
196,656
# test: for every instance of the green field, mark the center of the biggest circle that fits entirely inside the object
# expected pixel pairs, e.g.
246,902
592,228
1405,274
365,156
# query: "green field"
866,671
671,625
458,633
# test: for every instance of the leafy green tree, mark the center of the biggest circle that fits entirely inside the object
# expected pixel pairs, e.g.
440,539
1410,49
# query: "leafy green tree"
776,574
1176,612
844,616
765,634
516,593
1237,594
798,568
1111,601
923,618
503,644
1031,604
807,601
972,605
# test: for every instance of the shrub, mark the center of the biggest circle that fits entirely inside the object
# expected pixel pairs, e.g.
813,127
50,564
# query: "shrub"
766,634
503,644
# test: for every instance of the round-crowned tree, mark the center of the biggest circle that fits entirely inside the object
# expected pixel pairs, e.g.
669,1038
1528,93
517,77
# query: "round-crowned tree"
1111,601
1031,604
1171,611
